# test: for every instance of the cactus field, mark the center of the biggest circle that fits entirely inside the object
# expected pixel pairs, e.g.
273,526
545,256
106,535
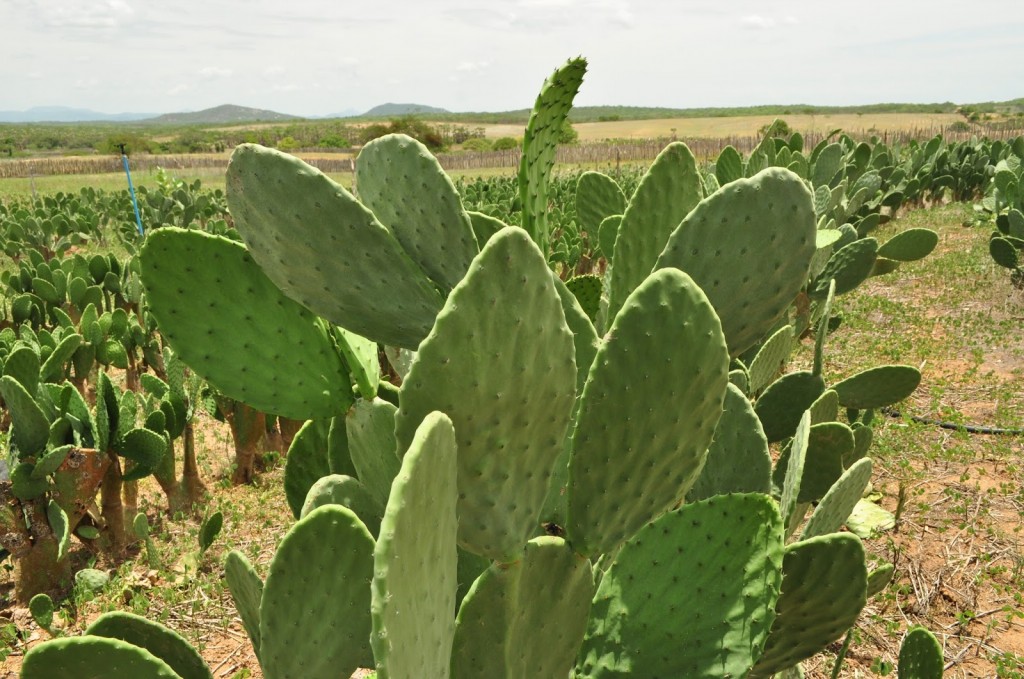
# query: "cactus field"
759,416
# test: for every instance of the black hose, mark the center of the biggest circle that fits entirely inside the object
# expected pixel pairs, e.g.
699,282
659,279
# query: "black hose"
969,428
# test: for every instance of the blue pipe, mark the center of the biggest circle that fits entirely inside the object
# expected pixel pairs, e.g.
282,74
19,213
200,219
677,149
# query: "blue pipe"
131,190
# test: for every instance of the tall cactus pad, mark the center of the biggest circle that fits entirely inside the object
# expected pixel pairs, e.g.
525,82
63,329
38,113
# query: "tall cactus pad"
920,655
691,595
540,144
597,197
666,194
307,461
230,324
246,589
338,489
771,358
326,250
833,510
738,459
824,588
415,561
878,387
315,613
79,657
794,466
155,638
909,245
728,166
607,234
29,426
647,412
499,362
405,187
749,247
371,444
525,620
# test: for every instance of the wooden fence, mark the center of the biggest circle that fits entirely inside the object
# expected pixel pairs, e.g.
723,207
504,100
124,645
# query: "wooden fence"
603,153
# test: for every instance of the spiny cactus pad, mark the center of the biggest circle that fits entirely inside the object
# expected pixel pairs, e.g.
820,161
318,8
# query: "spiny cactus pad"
878,387
86,657
315,611
540,143
29,426
770,359
880,578
361,359
484,226
587,291
850,266
306,462
372,447
666,194
415,562
824,588
794,472
749,247
338,489
784,401
647,412
828,444
920,655
597,196
833,510
326,250
404,186
607,234
525,620
230,324
909,245
691,595
499,362
738,460
162,642
246,589
826,408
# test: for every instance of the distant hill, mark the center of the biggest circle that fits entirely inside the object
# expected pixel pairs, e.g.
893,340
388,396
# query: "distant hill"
65,114
401,110
226,114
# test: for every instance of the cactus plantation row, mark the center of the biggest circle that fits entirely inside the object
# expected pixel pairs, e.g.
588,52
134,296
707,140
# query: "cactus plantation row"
569,471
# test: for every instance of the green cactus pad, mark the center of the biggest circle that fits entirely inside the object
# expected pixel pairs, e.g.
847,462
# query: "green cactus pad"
415,561
484,226
794,466
666,194
499,362
371,444
833,510
749,247
878,387
246,589
909,245
23,365
339,460
587,291
315,611
738,460
862,436
850,266
920,655
826,408
728,166
525,620
163,643
24,486
306,462
1004,253
828,444
55,365
597,196
41,608
88,657
739,379
338,489
230,324
784,401
880,578
607,234
29,427
634,456
60,526
691,595
540,144
144,447
361,359
770,359
326,250
404,186
824,587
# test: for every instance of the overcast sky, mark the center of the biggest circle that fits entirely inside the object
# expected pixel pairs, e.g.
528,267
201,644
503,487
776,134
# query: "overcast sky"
313,57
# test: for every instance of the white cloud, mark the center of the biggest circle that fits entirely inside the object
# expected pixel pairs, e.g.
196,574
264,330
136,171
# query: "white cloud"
177,89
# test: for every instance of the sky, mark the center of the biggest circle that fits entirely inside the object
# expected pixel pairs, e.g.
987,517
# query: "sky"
316,57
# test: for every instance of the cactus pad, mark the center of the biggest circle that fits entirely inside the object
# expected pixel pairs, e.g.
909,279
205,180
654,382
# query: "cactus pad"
909,245
415,561
82,657
833,510
878,387
155,638
920,655
326,250
770,359
607,234
338,489
371,445
691,595
246,589
525,620
311,625
647,412
229,323
484,226
499,362
29,426
749,247
784,401
850,266
306,462
361,359
828,444
404,186
666,194
597,196
587,291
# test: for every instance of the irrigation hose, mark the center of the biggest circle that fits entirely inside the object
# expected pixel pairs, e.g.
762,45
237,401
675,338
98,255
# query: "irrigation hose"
969,428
